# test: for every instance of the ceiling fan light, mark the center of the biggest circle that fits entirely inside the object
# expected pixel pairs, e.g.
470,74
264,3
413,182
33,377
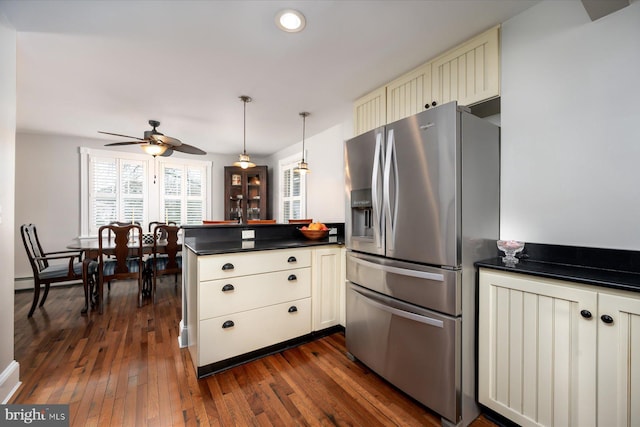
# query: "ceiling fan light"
154,149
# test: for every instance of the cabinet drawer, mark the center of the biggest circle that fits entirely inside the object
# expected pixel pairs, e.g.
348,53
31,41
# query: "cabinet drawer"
252,330
212,267
234,294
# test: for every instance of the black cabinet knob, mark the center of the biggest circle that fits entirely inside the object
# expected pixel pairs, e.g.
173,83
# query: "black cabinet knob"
227,288
292,277
606,318
293,309
426,106
292,259
434,103
586,314
228,324
227,266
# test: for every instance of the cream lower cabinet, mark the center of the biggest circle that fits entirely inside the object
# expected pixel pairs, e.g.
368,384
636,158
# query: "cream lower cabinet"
546,357
328,288
243,302
619,360
248,301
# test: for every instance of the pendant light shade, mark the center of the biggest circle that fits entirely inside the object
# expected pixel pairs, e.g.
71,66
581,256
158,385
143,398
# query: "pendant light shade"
303,167
244,161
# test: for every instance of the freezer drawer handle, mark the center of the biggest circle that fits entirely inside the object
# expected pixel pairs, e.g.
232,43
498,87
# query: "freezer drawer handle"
292,277
228,287
401,271
228,324
292,259
227,266
407,315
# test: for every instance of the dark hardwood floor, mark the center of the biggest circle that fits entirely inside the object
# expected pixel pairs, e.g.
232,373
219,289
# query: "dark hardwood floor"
124,368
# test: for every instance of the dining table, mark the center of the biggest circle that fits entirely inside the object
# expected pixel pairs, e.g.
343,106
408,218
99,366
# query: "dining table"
90,249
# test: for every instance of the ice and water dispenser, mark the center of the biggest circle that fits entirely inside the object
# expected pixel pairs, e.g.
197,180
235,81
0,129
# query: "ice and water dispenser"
361,213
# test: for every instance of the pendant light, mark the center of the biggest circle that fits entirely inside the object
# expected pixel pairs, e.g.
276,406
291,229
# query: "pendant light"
244,161
303,167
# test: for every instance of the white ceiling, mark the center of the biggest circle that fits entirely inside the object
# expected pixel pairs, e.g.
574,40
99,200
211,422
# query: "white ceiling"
111,65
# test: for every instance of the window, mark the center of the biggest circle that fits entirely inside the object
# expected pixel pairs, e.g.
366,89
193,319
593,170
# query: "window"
119,186
292,190
182,194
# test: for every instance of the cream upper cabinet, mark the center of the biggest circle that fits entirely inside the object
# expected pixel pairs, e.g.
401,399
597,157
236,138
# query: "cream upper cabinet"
408,94
369,112
618,360
552,352
469,73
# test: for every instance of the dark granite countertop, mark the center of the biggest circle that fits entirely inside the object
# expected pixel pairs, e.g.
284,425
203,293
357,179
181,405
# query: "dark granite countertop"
600,267
203,247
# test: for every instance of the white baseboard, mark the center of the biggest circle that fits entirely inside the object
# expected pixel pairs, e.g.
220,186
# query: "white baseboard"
9,381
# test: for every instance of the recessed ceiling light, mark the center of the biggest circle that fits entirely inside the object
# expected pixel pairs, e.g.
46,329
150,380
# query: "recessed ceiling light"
290,20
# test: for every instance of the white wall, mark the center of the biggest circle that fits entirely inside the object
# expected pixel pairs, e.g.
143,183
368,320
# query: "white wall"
571,126
48,190
325,183
9,368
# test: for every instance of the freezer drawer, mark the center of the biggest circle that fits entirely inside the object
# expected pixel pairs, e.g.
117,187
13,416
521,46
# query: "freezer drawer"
412,348
429,287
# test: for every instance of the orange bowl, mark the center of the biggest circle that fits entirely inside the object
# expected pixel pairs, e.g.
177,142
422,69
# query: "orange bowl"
314,234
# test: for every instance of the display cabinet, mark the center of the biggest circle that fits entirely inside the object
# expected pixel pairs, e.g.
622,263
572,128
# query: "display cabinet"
245,193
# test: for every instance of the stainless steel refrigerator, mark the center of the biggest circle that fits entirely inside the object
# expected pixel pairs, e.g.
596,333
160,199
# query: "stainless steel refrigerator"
422,201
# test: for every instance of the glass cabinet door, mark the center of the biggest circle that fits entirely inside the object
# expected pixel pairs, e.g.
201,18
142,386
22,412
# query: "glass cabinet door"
245,193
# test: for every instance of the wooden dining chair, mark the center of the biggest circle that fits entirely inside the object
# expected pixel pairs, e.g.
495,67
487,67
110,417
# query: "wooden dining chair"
224,221
301,221
261,221
44,272
153,224
126,261
165,261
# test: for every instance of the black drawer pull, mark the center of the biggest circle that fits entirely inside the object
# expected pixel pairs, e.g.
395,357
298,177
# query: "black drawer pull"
292,259
227,288
228,324
293,309
606,318
586,314
292,277
227,266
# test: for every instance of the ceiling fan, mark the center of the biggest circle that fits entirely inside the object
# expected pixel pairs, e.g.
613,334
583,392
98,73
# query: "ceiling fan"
155,143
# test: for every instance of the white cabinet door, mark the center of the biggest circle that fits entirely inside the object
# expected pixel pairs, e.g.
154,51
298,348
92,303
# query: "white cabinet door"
537,353
369,112
469,73
328,287
618,360
408,94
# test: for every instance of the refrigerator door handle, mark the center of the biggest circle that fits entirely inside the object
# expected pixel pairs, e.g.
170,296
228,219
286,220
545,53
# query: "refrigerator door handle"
401,313
375,202
401,271
391,162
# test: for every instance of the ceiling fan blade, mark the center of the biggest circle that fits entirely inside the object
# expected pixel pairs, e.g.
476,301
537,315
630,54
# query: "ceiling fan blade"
167,153
125,143
174,142
124,136
189,149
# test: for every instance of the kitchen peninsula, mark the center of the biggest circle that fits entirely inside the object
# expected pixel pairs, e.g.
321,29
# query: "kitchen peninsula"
251,290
